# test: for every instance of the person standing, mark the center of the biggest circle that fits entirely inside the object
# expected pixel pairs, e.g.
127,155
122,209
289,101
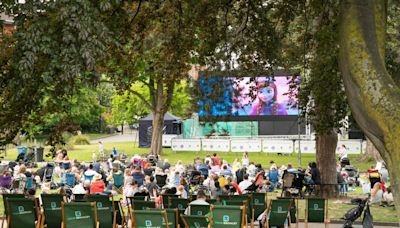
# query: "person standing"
342,152
101,148
245,160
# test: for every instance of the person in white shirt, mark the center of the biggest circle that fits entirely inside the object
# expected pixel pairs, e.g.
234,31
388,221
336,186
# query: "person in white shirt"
245,183
342,152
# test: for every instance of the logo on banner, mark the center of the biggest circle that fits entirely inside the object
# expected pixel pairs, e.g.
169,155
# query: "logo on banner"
148,223
225,218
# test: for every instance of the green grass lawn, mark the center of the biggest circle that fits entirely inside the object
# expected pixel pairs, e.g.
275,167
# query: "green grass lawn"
84,153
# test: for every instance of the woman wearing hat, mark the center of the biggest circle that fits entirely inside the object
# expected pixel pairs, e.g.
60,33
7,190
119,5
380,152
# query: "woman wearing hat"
97,185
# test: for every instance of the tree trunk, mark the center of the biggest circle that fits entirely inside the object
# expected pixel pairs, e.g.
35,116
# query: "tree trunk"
372,151
326,161
372,93
156,136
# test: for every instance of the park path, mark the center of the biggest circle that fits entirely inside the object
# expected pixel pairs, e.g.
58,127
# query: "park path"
131,136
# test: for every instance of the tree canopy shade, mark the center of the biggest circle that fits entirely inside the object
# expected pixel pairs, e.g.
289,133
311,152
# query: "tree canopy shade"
60,46
373,95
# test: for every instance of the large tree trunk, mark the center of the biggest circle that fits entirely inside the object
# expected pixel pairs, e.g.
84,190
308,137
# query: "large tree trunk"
373,95
372,151
326,160
156,136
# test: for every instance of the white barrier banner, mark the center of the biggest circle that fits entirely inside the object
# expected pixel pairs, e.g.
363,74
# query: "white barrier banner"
166,140
249,145
352,146
277,146
307,147
216,145
186,144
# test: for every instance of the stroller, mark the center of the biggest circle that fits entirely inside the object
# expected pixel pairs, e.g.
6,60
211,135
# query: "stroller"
354,213
48,172
293,183
353,175
152,160
344,162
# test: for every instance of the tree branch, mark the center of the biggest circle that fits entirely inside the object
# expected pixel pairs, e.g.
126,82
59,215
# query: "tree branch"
141,97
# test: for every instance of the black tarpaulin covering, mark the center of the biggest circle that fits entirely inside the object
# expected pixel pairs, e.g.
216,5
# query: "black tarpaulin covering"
172,125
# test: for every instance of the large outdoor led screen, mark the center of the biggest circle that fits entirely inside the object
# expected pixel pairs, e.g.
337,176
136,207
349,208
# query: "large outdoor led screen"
247,97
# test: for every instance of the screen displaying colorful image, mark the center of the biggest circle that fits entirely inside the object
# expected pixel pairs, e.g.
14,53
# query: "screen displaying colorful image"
264,96
250,97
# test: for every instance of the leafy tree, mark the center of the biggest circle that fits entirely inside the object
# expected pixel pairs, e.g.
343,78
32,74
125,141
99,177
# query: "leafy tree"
129,108
50,57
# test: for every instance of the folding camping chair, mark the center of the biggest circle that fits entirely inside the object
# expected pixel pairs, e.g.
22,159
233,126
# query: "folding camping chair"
316,211
22,213
51,204
79,214
70,180
106,213
172,216
5,197
196,221
278,213
118,182
199,210
147,218
228,216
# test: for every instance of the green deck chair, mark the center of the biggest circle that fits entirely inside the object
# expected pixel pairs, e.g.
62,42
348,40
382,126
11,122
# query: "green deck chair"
21,213
143,205
228,216
195,221
172,216
51,204
222,198
212,201
278,213
258,204
293,208
131,198
199,210
165,199
240,201
316,211
106,214
80,197
79,214
179,203
5,197
145,219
